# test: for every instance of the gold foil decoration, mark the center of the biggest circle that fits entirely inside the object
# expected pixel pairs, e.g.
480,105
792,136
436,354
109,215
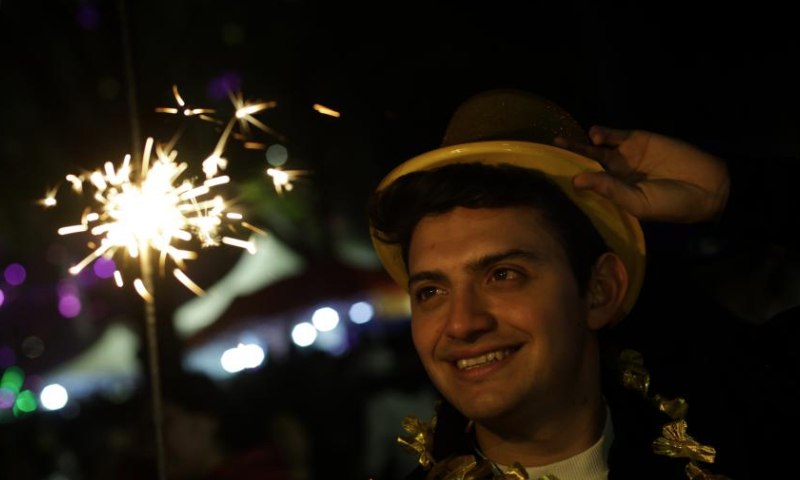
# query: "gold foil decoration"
515,472
676,408
694,472
675,442
634,375
464,467
420,440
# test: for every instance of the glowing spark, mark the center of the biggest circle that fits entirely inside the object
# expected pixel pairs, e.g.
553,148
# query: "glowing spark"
49,199
255,146
118,278
177,96
245,111
188,282
72,229
76,182
234,216
213,182
186,111
282,179
254,229
326,111
139,286
235,242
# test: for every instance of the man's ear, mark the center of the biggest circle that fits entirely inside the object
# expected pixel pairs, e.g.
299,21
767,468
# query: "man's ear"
606,291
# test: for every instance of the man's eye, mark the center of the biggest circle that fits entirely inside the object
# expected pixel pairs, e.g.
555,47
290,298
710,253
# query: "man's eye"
505,274
425,293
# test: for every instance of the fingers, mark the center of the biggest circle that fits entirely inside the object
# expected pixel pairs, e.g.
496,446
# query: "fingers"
611,137
609,158
600,154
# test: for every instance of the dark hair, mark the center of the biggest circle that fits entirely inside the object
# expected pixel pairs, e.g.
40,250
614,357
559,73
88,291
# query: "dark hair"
395,211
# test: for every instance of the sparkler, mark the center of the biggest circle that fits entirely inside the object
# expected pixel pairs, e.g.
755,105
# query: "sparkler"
154,208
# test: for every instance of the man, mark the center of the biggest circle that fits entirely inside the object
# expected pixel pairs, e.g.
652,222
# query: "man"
517,256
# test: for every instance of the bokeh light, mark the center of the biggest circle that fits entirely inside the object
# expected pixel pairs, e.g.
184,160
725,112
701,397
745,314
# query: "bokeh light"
15,274
54,397
12,379
69,306
32,347
304,334
26,401
220,86
104,267
7,398
242,357
325,319
2,297
277,155
361,312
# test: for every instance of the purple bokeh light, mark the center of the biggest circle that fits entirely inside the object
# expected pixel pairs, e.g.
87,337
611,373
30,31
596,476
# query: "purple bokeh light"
7,357
2,297
104,267
220,86
15,274
69,306
7,398
88,17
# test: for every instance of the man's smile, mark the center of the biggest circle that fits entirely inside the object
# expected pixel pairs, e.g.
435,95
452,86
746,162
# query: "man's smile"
480,360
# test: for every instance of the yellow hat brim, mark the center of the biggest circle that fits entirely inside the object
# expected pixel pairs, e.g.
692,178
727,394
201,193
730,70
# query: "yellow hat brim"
621,231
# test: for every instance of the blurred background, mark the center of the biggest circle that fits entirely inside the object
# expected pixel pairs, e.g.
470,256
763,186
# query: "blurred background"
297,361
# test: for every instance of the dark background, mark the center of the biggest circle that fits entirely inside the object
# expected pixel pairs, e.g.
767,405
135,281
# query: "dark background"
724,77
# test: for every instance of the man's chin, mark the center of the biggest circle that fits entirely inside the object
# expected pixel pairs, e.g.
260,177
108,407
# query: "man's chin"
484,409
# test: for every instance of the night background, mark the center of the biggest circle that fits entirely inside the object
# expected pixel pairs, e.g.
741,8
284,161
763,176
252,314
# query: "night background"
723,77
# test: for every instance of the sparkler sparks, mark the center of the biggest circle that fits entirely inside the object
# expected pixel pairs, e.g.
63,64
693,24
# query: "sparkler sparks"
136,209
282,179
158,211
326,111
184,109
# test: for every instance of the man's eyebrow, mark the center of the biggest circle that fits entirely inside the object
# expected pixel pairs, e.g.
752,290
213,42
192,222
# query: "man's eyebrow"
479,264
433,275
515,253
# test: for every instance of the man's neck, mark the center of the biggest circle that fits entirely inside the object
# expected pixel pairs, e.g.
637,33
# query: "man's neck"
539,440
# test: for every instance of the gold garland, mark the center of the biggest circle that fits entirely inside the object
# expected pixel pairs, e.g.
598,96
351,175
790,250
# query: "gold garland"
674,440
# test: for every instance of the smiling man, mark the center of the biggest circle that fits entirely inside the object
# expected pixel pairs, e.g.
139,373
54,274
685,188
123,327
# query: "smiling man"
512,273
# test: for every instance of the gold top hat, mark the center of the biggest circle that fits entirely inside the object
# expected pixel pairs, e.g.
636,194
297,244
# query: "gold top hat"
516,128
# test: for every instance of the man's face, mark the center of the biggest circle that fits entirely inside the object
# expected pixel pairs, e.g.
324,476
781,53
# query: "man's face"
496,316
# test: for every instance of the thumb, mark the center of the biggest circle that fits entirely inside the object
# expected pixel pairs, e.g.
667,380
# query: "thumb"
615,190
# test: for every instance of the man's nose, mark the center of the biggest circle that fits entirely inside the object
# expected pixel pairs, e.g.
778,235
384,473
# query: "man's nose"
469,316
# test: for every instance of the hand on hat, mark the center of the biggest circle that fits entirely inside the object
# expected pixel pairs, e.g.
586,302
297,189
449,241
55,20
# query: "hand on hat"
652,176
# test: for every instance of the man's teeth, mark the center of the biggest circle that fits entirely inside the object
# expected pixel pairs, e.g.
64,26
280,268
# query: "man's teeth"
467,363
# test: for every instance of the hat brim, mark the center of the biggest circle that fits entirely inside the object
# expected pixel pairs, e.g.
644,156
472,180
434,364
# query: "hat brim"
620,230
